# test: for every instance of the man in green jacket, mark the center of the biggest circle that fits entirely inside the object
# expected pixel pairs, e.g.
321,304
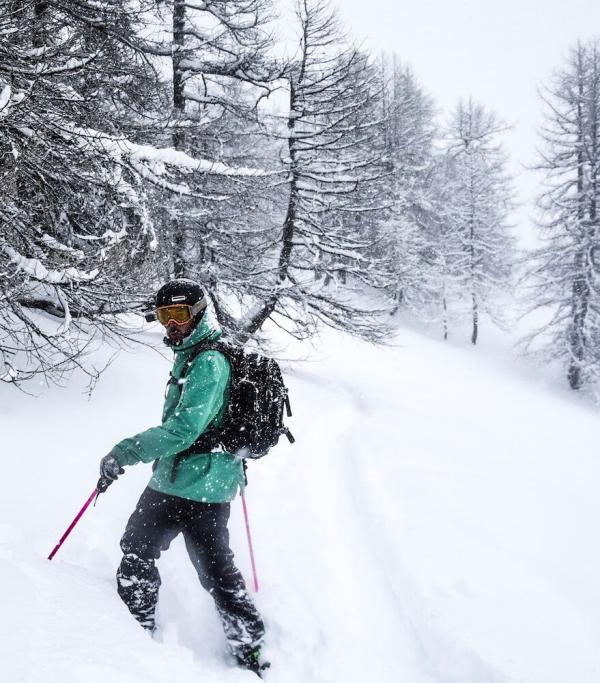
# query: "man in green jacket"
192,483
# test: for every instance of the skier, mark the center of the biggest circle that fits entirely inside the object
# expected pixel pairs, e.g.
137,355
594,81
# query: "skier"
191,487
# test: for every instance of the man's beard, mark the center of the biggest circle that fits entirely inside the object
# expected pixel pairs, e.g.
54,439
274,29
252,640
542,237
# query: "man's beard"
177,336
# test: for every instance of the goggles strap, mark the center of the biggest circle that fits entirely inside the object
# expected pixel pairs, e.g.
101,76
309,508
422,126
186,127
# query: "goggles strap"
198,307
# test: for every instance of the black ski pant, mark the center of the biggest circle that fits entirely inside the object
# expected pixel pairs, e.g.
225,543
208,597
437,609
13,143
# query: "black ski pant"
156,521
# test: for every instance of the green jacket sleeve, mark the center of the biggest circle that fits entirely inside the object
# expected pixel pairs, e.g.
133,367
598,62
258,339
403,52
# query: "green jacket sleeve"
201,400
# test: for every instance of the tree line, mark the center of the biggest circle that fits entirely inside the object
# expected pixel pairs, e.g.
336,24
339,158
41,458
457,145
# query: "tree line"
147,139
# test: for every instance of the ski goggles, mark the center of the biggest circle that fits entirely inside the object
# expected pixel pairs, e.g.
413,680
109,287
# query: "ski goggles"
180,314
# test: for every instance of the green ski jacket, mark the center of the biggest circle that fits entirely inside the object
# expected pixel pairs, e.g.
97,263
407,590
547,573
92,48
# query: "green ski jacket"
190,408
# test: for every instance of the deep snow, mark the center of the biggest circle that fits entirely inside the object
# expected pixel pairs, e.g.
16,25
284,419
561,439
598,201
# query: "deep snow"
435,521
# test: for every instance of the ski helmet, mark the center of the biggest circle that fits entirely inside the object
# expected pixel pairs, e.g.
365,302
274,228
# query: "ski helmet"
179,291
182,291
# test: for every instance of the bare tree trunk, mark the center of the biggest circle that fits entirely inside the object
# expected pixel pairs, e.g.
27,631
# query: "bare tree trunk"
178,137
580,295
474,304
290,217
475,332
289,224
38,33
445,317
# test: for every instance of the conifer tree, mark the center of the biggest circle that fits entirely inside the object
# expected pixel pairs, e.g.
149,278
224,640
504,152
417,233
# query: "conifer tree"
221,69
408,132
565,276
333,161
72,219
478,211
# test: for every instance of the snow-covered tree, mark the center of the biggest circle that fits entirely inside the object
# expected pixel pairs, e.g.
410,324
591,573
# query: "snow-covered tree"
479,197
333,160
408,132
565,275
71,213
430,251
220,69
80,146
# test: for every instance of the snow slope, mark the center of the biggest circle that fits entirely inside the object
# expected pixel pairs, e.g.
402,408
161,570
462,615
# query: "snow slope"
435,522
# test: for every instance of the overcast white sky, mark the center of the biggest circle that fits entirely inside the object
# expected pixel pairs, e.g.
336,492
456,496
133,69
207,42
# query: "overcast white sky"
497,51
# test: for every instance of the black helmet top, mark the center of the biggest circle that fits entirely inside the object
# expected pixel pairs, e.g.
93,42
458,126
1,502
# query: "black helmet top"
180,291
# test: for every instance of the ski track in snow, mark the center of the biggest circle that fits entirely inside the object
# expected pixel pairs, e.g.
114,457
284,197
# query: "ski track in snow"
423,646
433,523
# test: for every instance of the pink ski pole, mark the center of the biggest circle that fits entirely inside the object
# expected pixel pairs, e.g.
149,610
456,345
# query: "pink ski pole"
249,535
73,523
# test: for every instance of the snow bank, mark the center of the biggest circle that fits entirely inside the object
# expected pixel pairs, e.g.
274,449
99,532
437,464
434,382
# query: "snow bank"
435,521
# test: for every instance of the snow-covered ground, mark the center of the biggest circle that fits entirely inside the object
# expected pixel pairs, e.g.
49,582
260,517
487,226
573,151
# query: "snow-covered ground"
435,521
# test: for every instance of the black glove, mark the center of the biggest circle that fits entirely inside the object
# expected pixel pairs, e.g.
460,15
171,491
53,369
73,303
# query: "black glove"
109,472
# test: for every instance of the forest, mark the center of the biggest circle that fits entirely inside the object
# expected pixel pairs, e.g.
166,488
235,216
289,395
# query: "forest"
304,181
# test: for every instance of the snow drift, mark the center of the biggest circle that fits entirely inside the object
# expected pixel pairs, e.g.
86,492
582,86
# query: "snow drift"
435,521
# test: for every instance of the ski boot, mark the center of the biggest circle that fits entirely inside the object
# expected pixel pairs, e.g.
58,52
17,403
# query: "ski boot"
250,660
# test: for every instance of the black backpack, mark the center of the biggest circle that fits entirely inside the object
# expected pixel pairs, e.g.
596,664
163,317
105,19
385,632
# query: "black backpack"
253,421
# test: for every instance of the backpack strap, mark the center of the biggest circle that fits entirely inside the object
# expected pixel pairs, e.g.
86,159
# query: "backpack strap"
197,350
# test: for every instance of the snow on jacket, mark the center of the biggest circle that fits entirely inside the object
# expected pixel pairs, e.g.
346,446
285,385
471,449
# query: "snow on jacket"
189,409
